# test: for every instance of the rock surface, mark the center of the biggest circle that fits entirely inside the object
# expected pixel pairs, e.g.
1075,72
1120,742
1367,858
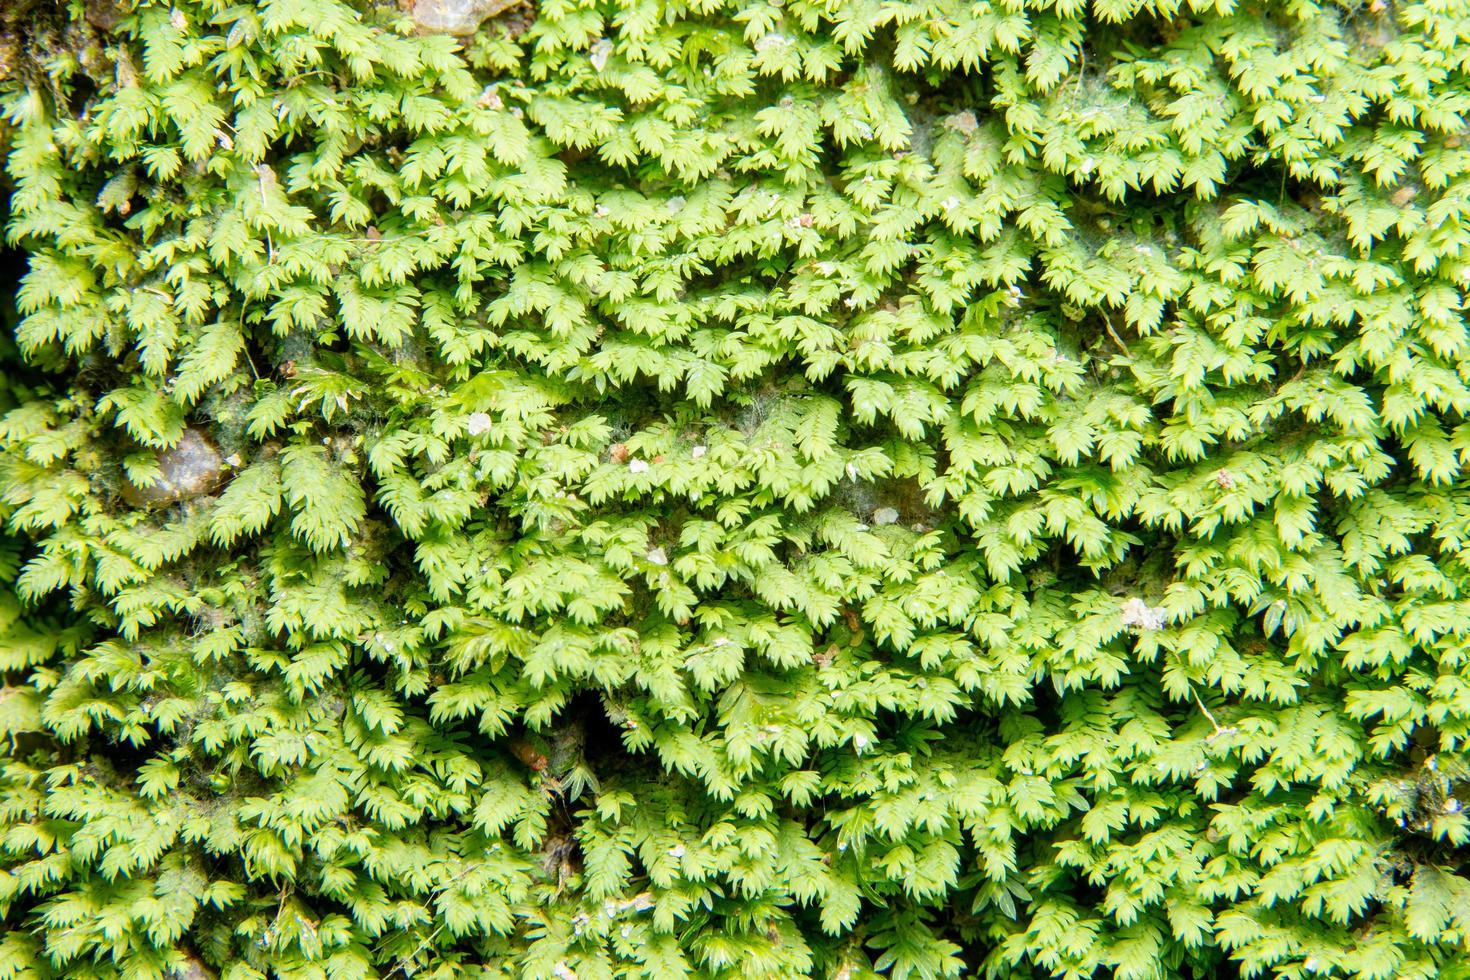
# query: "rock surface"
190,469
458,17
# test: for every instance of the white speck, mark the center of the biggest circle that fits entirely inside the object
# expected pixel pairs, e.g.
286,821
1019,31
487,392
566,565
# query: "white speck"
675,204
677,851
826,268
1140,614
1013,295
564,972
1317,98
177,18
478,424
637,466
658,556
1311,964
772,41
626,931
850,302
601,211
601,51
852,471
950,203
885,515
1431,763
720,641
864,130
1452,805
862,527
1086,166
861,743
698,452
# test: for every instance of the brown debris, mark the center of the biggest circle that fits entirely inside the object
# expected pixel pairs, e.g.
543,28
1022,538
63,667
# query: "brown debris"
528,755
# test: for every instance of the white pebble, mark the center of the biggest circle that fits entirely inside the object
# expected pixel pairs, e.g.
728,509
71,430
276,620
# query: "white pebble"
658,556
601,51
885,515
637,466
1140,614
698,452
478,423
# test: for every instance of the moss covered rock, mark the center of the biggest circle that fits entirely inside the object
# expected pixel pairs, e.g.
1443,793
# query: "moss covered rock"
735,490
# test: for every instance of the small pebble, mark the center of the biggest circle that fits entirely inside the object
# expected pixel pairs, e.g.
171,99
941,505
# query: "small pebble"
1141,615
601,51
964,122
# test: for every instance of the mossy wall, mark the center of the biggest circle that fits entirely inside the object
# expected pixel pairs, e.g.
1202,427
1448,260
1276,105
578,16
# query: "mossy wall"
737,489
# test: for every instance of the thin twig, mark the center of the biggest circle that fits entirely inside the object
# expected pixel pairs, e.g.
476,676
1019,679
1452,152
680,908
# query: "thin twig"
1108,325
1197,700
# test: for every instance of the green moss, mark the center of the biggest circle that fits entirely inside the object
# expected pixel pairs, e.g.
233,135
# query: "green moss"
737,490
